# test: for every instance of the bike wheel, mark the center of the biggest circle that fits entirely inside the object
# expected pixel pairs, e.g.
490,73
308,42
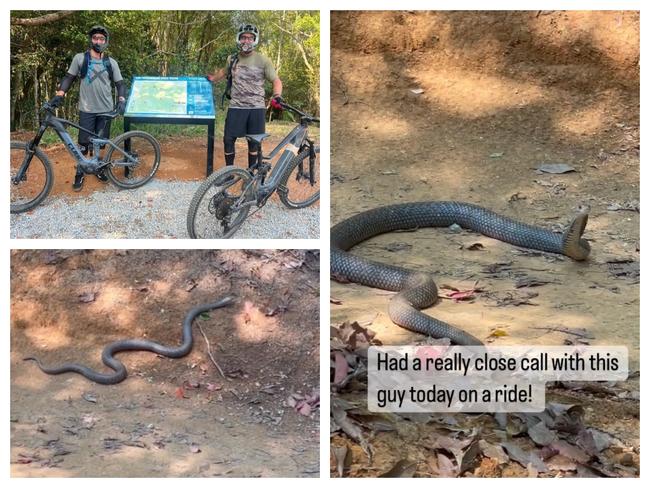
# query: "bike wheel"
219,206
140,167
301,186
36,183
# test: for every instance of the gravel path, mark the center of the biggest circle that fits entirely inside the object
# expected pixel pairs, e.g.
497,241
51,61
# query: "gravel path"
156,210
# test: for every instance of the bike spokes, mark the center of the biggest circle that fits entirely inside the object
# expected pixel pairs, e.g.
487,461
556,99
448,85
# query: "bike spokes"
31,177
135,161
221,204
301,187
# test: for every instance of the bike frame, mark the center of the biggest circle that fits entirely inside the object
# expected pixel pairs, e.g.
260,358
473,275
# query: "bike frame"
89,166
291,144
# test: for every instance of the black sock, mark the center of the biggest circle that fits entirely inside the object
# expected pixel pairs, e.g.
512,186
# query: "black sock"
252,159
230,159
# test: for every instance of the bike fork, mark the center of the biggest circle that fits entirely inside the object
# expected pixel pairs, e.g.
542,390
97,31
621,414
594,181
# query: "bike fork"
21,175
312,162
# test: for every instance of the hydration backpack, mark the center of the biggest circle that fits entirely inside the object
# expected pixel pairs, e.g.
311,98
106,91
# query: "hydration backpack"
234,58
107,66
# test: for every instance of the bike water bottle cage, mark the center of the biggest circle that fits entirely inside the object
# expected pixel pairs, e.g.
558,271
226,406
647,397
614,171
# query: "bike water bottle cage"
84,71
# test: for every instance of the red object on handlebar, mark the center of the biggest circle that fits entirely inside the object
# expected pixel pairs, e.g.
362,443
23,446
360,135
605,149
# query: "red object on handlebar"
276,105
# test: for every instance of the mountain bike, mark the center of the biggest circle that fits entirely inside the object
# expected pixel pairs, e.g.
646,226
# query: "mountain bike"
225,199
131,160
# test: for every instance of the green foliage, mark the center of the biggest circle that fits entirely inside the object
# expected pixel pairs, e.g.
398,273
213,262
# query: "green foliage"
159,43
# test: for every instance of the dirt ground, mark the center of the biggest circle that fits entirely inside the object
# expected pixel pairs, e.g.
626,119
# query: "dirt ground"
170,417
465,106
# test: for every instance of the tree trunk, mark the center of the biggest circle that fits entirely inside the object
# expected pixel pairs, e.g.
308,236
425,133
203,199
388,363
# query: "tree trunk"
36,103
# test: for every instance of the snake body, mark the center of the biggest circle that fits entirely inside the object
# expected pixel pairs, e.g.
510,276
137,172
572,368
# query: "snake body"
416,289
119,369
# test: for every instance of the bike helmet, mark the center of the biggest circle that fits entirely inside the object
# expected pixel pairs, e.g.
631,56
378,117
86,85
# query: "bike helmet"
98,29
247,29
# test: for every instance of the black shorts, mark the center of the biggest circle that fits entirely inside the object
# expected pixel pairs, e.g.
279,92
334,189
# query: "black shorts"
242,121
99,125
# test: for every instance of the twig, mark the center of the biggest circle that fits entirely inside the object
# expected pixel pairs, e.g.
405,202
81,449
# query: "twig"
210,352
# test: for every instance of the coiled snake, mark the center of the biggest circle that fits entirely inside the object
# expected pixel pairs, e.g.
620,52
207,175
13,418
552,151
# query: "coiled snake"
417,290
135,345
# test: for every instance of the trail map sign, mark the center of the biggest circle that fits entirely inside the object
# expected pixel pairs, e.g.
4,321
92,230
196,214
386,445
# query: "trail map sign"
170,97
172,100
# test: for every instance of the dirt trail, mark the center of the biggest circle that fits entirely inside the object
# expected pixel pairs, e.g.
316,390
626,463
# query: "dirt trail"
170,417
499,95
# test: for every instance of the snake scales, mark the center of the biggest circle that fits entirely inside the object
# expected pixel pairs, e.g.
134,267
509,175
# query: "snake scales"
418,290
135,345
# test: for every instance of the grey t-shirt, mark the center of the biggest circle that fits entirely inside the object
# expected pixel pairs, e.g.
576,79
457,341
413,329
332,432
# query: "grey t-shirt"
95,92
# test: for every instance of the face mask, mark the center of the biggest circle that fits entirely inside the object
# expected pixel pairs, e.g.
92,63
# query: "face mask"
99,48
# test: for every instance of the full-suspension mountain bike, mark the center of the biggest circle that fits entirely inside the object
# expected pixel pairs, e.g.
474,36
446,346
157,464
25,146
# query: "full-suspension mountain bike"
225,199
130,160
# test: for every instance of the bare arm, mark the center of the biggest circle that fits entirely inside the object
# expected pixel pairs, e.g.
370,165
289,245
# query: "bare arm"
277,87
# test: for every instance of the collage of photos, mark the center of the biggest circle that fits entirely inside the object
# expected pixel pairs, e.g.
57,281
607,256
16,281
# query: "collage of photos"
465,302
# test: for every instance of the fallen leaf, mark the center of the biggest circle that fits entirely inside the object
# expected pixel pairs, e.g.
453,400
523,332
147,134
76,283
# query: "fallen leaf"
570,451
470,457
402,469
398,246
304,409
477,246
458,296
87,297
446,468
89,397
524,458
343,457
541,435
529,282
493,451
555,168
191,385
180,392
340,367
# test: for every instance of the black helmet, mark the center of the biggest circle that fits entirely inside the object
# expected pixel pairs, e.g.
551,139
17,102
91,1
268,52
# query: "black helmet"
98,29
247,29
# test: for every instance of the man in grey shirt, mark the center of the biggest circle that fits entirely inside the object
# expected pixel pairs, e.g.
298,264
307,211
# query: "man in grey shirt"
96,72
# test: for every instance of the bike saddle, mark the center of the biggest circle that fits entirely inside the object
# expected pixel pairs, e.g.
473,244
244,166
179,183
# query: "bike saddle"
257,137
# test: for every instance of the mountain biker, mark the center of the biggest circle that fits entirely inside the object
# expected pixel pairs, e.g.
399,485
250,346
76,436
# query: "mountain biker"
247,70
95,70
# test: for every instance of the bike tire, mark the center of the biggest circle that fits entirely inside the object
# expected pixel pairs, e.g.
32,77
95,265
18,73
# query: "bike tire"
49,178
199,201
139,175
300,195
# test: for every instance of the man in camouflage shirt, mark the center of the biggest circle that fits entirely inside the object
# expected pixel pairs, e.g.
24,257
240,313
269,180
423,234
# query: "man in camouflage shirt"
246,113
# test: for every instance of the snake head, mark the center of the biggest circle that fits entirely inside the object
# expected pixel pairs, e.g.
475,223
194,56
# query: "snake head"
573,245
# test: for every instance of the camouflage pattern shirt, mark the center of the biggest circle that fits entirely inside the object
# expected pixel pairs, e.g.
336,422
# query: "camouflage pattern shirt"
248,77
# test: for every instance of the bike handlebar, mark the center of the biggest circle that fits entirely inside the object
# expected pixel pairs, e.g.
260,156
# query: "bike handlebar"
303,115
47,107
